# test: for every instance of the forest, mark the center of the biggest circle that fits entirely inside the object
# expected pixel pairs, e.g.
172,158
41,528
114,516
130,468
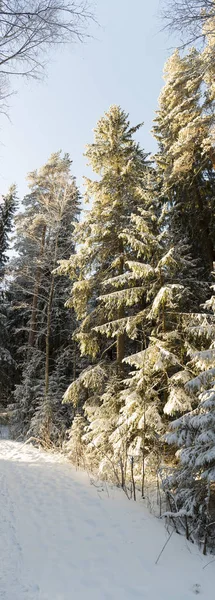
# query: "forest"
107,303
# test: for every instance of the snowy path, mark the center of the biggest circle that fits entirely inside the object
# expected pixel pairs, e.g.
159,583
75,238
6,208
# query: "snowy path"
61,539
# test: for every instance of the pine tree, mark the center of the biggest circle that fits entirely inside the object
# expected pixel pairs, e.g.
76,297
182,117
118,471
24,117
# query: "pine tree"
44,236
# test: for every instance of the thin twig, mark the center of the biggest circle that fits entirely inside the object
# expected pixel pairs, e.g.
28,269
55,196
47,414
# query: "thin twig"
211,561
161,552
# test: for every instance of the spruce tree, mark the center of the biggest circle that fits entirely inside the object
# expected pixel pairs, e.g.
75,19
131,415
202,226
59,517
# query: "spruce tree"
106,288
120,162
191,483
144,305
182,129
156,388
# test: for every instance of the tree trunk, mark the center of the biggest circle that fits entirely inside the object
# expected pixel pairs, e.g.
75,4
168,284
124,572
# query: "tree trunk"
33,325
48,329
143,456
208,242
120,342
74,360
49,308
120,346
132,478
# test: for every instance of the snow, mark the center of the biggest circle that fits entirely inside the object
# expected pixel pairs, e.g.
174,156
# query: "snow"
62,538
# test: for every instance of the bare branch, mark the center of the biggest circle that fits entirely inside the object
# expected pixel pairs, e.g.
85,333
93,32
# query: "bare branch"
28,28
189,18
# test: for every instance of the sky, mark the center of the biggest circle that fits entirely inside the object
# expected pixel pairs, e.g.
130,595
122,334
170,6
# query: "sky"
121,63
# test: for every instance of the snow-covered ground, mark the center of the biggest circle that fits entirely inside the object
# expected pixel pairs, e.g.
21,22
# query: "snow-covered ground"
62,538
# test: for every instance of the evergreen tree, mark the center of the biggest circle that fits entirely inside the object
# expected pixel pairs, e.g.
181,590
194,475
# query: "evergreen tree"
156,388
140,265
109,276
120,162
7,210
141,305
184,161
45,235
7,364
74,447
191,484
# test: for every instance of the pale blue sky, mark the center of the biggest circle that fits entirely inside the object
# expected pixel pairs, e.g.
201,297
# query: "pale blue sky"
122,64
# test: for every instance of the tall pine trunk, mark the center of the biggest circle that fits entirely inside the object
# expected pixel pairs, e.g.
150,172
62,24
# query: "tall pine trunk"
33,325
48,327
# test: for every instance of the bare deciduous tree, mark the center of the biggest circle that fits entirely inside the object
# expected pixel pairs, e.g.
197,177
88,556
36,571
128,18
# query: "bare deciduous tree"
28,28
189,18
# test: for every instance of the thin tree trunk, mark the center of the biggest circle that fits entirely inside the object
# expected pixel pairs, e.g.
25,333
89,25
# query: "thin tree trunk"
163,316
208,241
74,361
120,346
120,342
132,478
49,308
33,325
122,473
187,527
144,443
48,329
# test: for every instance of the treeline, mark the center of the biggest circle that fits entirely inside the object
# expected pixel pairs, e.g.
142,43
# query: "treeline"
114,311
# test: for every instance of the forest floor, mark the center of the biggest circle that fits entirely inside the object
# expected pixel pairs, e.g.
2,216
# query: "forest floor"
62,538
